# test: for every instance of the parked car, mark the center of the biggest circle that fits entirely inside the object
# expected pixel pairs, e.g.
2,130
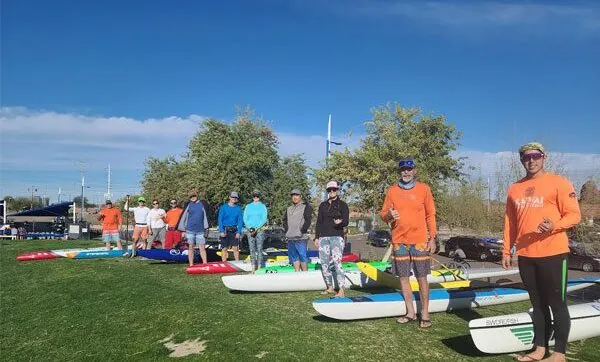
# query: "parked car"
379,237
474,248
580,259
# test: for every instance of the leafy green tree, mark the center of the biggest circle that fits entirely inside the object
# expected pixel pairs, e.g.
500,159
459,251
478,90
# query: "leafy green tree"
393,133
77,201
18,203
222,157
291,173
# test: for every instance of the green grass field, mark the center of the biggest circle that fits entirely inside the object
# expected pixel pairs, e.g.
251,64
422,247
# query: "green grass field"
120,309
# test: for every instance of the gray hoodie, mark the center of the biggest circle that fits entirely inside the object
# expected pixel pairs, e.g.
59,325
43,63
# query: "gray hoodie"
296,221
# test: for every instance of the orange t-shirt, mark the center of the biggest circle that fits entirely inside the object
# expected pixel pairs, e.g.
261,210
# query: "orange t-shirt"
172,217
528,202
417,214
111,220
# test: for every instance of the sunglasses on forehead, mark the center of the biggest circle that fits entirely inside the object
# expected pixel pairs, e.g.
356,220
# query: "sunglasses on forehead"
532,156
406,164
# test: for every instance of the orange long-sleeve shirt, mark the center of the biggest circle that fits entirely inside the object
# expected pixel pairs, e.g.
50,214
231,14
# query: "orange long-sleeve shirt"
528,202
172,217
417,214
111,218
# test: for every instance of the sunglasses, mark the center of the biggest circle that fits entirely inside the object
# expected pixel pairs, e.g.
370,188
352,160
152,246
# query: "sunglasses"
233,197
332,190
532,156
406,163
155,203
406,168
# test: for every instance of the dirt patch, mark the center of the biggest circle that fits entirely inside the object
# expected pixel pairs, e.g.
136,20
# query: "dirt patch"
262,354
185,348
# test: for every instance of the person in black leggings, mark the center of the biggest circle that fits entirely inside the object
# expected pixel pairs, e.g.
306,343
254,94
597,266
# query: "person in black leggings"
546,280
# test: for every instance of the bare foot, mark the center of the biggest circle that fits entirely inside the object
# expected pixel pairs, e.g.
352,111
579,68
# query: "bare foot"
536,355
340,294
556,357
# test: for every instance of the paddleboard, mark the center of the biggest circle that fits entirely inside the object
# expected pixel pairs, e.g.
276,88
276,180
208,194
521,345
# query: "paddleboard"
313,257
448,278
514,332
53,254
176,255
315,266
440,300
302,281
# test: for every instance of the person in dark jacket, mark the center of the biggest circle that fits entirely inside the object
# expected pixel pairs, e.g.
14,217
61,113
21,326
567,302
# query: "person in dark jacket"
332,219
296,222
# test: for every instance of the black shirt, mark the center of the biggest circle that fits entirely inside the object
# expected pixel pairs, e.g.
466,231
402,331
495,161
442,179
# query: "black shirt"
337,209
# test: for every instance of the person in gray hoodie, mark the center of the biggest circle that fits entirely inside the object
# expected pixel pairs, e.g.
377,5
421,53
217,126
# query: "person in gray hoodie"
296,222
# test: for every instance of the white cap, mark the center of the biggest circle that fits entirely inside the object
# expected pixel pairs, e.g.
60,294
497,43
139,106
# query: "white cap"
332,185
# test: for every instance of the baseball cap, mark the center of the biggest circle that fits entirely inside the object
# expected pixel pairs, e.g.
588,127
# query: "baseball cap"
108,202
234,194
332,185
255,193
532,146
295,192
141,198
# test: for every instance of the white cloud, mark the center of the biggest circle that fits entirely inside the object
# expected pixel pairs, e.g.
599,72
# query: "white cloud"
48,141
541,17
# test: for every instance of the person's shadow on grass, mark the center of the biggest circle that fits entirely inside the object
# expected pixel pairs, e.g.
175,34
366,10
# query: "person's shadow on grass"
463,345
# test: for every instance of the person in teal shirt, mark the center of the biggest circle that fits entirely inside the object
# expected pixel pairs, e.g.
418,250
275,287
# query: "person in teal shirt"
255,218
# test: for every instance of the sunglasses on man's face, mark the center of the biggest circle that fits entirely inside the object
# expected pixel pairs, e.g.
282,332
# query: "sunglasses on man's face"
402,169
173,203
532,156
332,190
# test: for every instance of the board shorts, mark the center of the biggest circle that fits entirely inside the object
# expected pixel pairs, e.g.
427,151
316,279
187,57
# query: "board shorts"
229,240
195,238
403,255
140,232
110,236
172,237
297,251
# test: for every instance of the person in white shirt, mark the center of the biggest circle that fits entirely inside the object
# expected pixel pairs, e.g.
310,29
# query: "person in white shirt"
156,225
140,213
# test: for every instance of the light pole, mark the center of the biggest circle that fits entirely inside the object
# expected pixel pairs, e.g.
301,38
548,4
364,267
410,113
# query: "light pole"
32,189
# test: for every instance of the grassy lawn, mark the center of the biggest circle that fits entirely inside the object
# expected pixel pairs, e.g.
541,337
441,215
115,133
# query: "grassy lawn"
119,309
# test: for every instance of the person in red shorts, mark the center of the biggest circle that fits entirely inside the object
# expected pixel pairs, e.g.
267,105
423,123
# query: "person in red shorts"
173,236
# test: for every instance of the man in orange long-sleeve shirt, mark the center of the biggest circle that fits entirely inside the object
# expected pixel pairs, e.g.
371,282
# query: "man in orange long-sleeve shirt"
539,210
111,224
409,207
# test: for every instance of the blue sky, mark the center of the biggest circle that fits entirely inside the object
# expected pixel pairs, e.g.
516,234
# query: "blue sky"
502,72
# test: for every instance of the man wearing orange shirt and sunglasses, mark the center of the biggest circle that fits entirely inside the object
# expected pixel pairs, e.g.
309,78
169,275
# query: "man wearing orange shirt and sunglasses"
539,210
409,208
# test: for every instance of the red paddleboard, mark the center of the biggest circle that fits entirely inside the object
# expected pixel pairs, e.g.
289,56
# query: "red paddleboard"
350,258
216,267
37,255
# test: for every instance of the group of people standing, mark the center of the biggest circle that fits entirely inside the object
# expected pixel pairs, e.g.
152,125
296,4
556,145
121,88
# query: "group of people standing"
539,209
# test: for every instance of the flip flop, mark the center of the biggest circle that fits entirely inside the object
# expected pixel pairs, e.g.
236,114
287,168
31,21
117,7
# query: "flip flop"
427,323
527,358
326,292
406,319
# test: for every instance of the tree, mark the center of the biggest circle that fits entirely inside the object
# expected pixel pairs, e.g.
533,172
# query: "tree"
291,173
77,201
222,157
19,203
590,193
393,133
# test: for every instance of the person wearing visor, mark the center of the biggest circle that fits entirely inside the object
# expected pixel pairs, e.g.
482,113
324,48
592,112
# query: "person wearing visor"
172,236
194,224
540,208
255,218
140,231
296,222
112,220
332,218
409,209
230,222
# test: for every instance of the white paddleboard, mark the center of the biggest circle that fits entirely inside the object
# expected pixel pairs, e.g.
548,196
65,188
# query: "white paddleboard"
313,280
514,332
440,300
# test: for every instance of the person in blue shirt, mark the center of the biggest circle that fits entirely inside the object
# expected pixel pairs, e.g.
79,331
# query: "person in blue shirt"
230,223
194,223
255,218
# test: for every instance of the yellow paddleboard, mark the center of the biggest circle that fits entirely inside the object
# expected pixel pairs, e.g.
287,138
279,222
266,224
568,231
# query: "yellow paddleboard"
388,280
